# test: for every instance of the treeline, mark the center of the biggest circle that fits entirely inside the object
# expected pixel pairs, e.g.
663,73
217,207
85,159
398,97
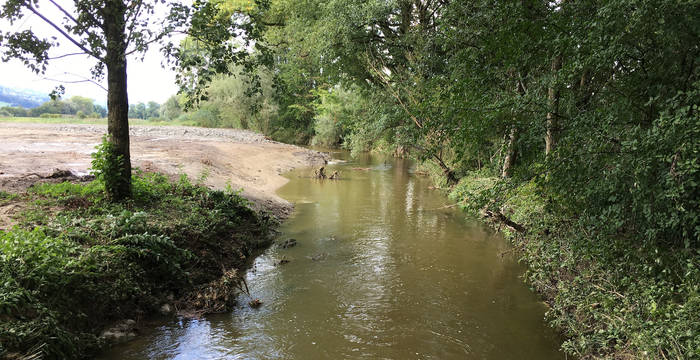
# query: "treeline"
78,106
170,110
572,124
82,107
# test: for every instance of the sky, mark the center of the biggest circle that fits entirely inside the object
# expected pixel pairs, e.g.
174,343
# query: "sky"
147,79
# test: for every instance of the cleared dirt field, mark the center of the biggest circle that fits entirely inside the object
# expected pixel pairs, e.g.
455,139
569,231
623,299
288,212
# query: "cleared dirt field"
220,157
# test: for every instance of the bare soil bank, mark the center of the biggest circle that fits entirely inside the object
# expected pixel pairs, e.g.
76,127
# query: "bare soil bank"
221,157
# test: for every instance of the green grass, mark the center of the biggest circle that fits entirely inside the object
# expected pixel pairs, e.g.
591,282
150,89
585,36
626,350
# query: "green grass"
77,262
102,121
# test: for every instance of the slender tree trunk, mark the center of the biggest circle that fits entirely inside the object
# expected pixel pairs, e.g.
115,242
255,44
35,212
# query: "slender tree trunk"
509,160
584,94
117,99
512,138
553,114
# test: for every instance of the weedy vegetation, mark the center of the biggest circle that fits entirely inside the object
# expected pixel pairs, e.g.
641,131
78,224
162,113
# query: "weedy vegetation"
77,261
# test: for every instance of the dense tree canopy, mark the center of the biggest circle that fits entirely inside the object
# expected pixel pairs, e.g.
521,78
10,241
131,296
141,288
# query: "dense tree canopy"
590,107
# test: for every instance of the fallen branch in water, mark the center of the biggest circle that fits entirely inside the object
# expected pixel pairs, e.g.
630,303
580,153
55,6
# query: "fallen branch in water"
215,297
499,217
320,173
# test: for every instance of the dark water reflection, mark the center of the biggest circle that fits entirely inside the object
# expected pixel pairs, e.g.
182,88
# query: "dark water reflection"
383,270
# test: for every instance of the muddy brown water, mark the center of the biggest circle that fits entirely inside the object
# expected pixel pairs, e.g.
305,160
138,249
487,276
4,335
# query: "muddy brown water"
382,270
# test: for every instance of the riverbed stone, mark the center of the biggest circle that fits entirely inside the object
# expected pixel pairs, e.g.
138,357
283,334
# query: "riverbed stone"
122,331
166,309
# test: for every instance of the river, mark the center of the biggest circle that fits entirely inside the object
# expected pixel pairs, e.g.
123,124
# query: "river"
383,269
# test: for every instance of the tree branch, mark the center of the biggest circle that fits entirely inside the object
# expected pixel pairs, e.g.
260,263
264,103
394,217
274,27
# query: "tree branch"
58,28
498,216
65,55
84,79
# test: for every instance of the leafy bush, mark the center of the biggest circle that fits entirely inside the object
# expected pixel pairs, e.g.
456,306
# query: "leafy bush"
107,164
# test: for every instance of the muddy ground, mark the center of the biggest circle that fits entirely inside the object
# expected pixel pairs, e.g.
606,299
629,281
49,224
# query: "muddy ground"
243,159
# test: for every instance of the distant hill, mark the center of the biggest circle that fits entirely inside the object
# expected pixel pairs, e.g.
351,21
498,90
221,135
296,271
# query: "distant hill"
21,97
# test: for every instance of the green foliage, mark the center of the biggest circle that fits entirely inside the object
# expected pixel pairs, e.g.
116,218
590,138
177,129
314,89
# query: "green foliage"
91,261
464,86
137,111
642,308
7,196
210,50
336,110
107,165
171,109
240,100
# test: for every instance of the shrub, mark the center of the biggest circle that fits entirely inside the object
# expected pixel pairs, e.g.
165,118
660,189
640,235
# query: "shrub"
106,164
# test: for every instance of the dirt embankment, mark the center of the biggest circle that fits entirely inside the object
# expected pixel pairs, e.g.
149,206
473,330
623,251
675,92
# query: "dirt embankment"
217,157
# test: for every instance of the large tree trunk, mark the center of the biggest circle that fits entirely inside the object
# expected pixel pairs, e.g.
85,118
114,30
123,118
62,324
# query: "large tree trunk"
119,184
553,114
